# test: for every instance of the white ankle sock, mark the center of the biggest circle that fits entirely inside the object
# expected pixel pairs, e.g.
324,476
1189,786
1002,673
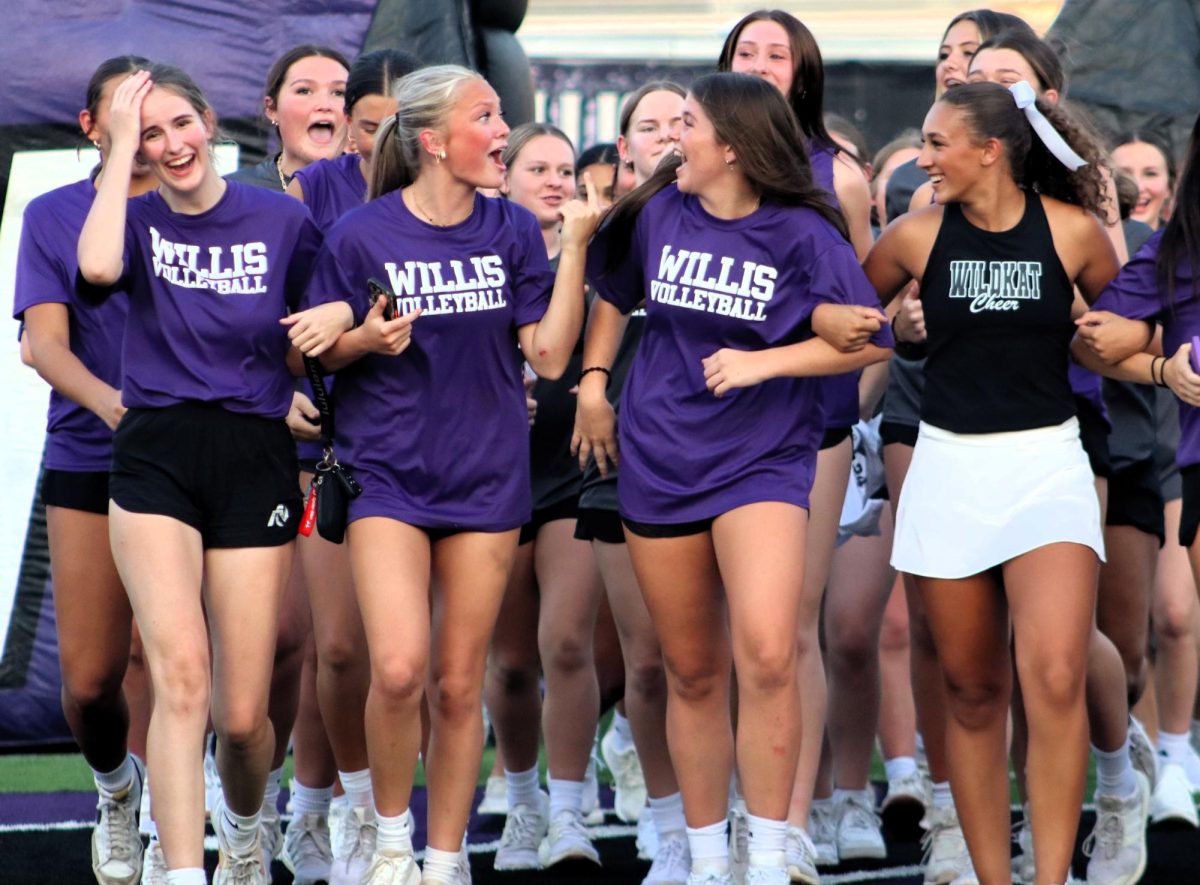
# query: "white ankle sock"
357,785
565,796
439,866
942,797
1114,773
310,800
187,876
709,846
394,834
240,830
271,790
900,766
620,726
522,787
768,841
668,815
117,780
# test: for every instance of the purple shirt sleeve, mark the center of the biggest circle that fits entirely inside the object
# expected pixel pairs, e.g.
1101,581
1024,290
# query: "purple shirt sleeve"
533,278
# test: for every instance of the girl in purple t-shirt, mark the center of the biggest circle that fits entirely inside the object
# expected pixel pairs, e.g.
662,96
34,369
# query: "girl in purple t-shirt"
76,347
777,47
204,504
432,420
719,430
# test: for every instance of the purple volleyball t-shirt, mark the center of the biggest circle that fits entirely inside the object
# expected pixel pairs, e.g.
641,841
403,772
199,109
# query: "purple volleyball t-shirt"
747,284
1138,294
206,293
332,188
47,268
839,393
438,436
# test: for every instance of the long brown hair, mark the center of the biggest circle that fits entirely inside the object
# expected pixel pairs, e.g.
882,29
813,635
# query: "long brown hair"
752,117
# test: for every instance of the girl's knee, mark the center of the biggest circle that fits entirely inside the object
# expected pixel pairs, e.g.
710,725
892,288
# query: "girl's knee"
455,697
398,680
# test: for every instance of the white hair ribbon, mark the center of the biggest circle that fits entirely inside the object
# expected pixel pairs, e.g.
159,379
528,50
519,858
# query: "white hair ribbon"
1026,100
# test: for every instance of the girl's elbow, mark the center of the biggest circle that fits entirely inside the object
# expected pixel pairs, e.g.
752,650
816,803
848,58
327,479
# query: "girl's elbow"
99,273
550,365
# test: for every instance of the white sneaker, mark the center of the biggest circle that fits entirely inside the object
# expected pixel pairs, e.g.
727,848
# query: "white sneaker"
116,842
629,787
858,835
234,867
1141,752
307,850
270,833
355,847
589,804
495,796
739,841
524,830
154,865
967,878
145,819
1172,800
647,838
672,862
822,827
1022,863
946,856
391,869
1117,845
709,878
760,875
462,872
801,857
903,808
212,777
568,840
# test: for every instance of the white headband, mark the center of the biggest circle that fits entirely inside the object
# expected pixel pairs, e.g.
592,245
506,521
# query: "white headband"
1026,99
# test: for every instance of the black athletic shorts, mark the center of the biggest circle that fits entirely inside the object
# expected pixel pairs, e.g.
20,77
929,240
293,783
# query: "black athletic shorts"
1135,499
1189,520
230,476
76,490
832,436
904,434
594,524
1093,434
565,509
668,530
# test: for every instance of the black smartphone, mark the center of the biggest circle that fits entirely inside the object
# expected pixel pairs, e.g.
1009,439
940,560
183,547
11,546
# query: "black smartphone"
377,290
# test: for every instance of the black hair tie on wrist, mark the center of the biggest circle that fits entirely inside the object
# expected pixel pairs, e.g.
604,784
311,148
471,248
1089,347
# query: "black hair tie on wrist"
607,374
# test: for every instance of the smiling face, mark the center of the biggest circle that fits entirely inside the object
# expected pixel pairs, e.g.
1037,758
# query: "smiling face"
1006,67
475,136
950,156
764,50
364,121
1146,165
954,55
175,141
542,177
704,156
310,111
653,130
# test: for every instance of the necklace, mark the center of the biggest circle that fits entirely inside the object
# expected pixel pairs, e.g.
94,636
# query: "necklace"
428,217
284,180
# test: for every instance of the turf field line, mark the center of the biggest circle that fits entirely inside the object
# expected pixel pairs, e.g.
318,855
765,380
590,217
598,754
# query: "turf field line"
56,826
887,873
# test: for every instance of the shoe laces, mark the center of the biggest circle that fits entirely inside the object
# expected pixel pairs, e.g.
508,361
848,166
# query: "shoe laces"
243,869
672,853
939,835
521,826
568,824
385,867
1108,835
357,835
824,825
117,826
857,814
739,845
311,839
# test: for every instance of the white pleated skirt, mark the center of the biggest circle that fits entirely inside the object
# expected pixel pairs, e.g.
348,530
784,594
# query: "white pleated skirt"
974,501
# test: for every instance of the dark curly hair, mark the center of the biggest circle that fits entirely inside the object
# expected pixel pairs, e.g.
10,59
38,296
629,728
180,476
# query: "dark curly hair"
991,112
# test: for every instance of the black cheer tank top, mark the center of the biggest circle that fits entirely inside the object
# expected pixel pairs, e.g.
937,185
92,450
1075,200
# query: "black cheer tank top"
998,313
